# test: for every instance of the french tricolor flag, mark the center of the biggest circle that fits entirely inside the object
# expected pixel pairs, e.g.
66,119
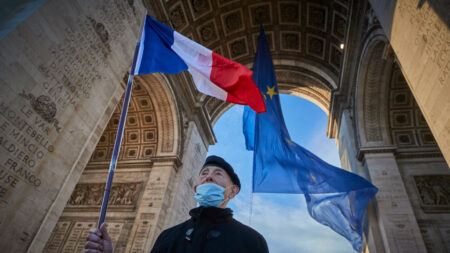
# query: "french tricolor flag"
162,49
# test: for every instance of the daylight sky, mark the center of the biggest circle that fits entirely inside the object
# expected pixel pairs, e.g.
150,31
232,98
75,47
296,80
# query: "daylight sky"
281,218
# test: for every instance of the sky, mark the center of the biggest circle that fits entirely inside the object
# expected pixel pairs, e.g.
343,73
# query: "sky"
282,219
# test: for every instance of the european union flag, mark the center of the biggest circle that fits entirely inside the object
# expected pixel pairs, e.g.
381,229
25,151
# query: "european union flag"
335,197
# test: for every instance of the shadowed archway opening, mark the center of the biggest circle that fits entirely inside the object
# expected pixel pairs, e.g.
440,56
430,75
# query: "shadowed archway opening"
281,218
145,170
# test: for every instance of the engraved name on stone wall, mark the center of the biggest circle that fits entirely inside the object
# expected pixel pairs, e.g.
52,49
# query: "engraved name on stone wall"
26,132
70,236
53,67
24,143
430,34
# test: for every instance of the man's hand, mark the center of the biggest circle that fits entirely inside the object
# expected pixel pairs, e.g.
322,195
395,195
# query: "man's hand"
98,240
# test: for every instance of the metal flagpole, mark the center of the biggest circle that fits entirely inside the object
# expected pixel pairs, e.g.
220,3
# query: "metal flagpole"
117,144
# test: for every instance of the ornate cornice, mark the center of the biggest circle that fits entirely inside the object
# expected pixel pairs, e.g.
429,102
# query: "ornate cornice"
376,149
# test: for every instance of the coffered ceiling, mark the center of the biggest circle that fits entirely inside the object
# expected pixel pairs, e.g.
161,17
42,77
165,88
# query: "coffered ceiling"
306,31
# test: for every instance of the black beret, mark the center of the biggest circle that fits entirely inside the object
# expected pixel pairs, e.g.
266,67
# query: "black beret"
220,162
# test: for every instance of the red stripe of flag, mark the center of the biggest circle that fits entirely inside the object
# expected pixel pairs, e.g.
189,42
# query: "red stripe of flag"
237,81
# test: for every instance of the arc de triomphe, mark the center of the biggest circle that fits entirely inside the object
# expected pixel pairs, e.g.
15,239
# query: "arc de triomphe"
379,69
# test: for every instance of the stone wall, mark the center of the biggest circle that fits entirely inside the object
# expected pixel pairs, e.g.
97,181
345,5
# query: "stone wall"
193,158
427,181
82,210
149,194
419,38
60,74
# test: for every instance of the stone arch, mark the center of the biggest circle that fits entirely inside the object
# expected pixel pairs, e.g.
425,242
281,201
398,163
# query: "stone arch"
140,137
147,163
372,86
393,144
152,126
387,117
407,126
159,89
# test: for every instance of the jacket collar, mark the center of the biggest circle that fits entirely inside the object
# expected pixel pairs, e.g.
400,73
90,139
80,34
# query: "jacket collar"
211,214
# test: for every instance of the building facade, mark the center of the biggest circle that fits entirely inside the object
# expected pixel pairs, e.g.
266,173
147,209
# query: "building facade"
379,69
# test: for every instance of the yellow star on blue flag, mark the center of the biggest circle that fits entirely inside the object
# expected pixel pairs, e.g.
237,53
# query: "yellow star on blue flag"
271,91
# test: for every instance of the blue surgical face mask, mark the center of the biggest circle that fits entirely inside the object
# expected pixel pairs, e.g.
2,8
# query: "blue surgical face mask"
209,194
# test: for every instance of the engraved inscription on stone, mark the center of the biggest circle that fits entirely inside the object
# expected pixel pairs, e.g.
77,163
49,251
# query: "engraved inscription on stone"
70,236
141,236
434,192
114,230
402,235
445,233
77,237
24,142
59,76
57,237
432,34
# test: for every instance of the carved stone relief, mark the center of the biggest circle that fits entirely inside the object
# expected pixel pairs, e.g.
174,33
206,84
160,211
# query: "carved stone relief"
434,192
339,26
122,194
372,88
317,16
200,7
290,41
178,17
208,33
233,21
44,106
291,12
238,47
315,46
261,14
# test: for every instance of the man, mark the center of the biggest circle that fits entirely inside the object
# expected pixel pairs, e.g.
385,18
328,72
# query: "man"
211,227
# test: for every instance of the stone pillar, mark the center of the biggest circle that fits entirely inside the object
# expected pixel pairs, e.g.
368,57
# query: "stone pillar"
348,154
396,220
420,40
154,205
193,157
60,75
346,145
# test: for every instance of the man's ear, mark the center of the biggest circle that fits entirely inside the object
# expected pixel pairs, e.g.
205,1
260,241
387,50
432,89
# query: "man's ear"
234,190
195,188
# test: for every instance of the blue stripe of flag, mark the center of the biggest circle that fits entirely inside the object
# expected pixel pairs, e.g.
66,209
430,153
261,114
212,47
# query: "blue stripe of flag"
155,53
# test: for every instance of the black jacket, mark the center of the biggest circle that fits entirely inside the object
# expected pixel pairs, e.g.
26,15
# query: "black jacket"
210,229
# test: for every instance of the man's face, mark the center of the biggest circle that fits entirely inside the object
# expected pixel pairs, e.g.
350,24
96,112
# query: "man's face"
214,174
217,175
